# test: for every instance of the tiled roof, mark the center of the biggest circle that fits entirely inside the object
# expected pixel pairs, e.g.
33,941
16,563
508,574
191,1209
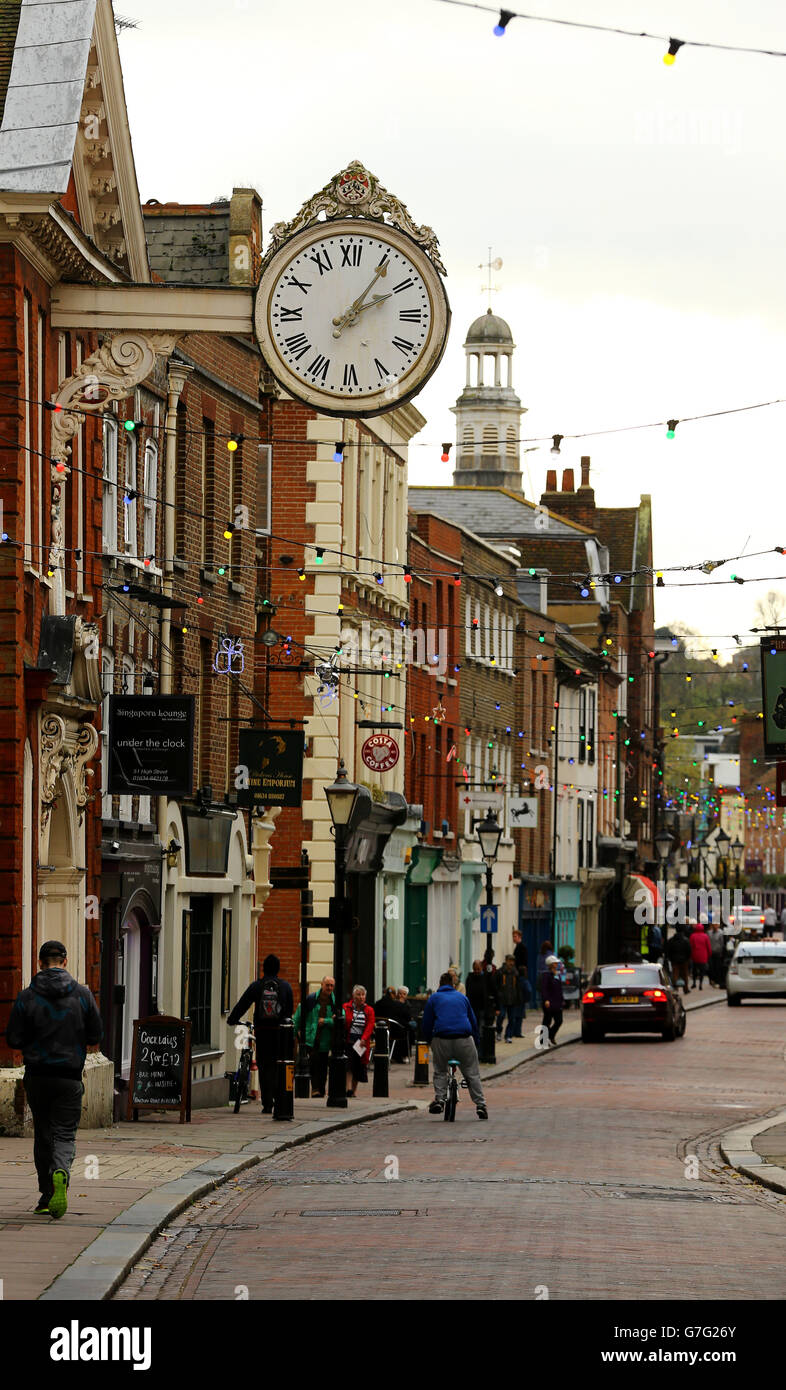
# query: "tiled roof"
188,244
490,511
48,46
9,23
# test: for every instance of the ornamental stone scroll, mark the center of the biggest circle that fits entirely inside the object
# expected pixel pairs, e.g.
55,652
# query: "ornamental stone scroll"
111,373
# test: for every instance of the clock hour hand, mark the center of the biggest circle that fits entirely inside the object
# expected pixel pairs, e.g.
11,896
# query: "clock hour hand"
351,314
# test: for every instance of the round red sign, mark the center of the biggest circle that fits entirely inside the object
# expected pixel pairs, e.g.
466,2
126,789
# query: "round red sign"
380,752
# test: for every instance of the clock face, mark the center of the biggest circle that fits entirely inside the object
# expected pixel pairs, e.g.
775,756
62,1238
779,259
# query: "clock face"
351,317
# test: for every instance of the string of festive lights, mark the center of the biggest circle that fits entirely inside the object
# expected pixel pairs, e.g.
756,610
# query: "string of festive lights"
340,447
674,45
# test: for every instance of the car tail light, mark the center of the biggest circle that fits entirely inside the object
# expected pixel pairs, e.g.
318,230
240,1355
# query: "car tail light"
592,996
654,994
734,968
761,919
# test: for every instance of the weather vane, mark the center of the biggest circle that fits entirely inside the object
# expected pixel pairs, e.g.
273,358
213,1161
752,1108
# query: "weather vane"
496,264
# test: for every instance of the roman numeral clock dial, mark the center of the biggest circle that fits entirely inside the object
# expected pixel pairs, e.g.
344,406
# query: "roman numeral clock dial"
352,317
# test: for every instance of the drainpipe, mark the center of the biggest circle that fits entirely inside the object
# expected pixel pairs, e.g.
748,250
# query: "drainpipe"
177,373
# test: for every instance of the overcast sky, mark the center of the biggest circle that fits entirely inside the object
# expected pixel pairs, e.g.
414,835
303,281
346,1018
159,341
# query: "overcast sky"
638,210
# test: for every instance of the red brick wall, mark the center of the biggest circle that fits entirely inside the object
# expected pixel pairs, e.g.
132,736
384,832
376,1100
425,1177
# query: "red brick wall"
24,600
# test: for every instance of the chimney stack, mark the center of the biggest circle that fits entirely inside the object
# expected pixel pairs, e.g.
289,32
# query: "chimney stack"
567,480
585,470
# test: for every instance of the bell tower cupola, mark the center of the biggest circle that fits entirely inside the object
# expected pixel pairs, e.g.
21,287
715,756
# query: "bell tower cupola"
488,412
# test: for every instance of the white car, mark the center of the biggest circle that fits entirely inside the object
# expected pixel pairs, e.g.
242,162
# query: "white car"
757,969
746,921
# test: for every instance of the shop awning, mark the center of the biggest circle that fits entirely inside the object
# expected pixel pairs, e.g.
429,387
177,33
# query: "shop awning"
635,886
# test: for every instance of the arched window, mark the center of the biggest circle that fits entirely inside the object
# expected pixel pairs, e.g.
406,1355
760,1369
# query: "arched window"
510,442
490,444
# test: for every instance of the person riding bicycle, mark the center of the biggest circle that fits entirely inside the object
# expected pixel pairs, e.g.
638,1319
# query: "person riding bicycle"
450,1026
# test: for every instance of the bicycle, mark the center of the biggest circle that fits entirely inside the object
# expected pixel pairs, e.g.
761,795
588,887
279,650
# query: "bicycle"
452,1097
238,1080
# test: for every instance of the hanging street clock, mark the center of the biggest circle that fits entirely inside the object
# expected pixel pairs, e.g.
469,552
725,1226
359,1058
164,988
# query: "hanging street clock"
351,313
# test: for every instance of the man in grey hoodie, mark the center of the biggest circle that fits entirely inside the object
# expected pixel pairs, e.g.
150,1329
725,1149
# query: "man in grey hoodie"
52,1023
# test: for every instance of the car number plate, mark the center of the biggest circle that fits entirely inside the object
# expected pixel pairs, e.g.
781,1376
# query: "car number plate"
762,970
625,999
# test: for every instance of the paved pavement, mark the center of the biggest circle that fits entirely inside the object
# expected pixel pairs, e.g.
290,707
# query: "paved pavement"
128,1181
597,1177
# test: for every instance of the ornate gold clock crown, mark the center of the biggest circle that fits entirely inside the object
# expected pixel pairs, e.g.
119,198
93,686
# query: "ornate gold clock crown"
354,192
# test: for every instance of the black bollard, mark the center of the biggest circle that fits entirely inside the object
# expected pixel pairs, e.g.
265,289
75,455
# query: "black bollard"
381,1059
421,1077
284,1103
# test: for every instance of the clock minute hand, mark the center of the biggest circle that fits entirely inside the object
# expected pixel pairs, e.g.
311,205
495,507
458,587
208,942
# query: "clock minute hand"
381,269
351,315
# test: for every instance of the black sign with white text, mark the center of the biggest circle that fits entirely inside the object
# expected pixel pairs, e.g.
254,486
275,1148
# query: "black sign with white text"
271,767
151,741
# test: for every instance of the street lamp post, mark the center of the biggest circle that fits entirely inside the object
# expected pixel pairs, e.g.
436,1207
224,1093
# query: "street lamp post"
663,849
489,836
722,840
736,854
341,799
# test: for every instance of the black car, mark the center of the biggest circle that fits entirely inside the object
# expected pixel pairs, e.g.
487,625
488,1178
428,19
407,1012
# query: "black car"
631,999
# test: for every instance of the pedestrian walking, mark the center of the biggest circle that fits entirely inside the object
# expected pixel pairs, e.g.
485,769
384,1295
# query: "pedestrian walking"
654,943
700,953
319,1010
546,950
678,954
52,1023
770,919
393,1007
273,1003
783,919
359,1019
718,952
482,992
520,954
509,996
449,1024
553,998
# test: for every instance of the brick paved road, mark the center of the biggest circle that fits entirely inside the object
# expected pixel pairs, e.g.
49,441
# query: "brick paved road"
579,1182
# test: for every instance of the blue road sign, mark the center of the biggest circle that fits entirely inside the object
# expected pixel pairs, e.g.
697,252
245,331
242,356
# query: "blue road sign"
488,919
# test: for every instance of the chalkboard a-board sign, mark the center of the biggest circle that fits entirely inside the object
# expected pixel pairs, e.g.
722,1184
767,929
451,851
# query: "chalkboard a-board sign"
161,1066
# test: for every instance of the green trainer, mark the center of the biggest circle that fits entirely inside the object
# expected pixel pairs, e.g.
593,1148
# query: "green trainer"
43,1207
58,1202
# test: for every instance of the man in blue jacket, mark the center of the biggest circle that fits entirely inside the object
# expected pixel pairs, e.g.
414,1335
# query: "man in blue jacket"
451,1027
52,1023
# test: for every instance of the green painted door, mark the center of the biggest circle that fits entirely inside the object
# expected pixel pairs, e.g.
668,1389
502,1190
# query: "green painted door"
415,937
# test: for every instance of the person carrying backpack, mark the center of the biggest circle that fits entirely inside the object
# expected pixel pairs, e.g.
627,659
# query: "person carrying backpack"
273,1002
52,1024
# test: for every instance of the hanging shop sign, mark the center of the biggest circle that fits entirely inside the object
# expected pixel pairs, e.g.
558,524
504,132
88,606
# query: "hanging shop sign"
483,801
380,752
780,784
773,695
151,743
524,811
270,771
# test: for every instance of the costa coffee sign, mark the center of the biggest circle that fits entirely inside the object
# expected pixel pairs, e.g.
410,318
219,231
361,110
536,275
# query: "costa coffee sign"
380,752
